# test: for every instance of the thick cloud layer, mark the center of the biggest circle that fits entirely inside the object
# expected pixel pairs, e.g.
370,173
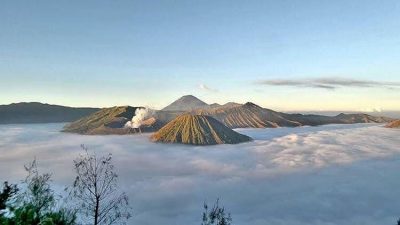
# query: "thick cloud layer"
335,174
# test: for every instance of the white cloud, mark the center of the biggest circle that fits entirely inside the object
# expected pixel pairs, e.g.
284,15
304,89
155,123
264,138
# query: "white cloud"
207,88
373,109
335,174
330,83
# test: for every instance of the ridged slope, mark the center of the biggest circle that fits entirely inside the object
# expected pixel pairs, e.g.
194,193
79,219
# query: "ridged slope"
393,124
252,115
248,115
362,118
96,123
198,130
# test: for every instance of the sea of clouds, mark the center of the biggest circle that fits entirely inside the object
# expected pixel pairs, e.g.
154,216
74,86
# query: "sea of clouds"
334,174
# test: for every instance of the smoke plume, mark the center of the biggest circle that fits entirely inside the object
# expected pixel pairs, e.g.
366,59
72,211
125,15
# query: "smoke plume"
140,115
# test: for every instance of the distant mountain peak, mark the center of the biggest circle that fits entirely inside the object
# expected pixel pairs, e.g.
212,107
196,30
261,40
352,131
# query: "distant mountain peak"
250,104
186,103
189,96
215,105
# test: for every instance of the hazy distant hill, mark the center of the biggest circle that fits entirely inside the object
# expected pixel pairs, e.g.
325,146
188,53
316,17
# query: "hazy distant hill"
186,103
252,115
197,130
385,113
314,120
248,115
35,112
214,105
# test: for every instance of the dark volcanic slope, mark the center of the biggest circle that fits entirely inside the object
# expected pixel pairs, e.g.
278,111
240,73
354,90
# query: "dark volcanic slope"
197,130
35,112
232,115
114,117
248,115
110,121
393,124
186,103
251,115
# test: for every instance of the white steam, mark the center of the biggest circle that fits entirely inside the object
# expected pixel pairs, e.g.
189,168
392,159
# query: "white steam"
140,115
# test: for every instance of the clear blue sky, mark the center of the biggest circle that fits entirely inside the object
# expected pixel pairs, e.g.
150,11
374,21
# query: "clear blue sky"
104,53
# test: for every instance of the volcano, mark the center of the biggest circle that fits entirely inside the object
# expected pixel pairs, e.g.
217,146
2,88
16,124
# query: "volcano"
111,121
186,103
232,115
198,130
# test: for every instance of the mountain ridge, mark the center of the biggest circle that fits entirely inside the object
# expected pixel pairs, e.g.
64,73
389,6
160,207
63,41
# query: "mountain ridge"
111,121
186,103
37,112
233,115
248,115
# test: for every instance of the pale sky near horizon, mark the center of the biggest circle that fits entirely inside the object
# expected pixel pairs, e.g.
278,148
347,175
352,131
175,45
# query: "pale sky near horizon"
284,55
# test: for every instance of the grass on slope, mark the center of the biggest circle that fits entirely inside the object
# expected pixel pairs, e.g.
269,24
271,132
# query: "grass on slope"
100,118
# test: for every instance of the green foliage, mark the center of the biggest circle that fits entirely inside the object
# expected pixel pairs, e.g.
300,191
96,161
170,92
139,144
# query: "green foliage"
6,194
36,204
61,217
216,215
27,214
38,192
